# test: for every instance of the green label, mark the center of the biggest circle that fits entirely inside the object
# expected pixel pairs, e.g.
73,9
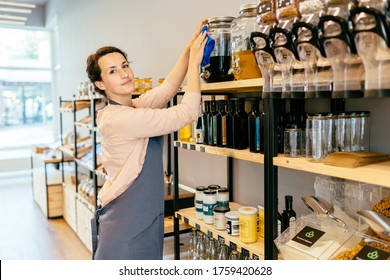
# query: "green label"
308,236
372,253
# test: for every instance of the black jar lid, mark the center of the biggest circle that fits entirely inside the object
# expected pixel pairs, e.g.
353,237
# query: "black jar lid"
208,191
201,188
223,190
214,187
221,209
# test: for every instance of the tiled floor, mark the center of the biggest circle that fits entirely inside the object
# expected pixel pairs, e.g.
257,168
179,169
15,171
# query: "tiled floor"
26,234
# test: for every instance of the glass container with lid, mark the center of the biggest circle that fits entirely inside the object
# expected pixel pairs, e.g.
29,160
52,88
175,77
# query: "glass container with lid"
316,67
220,57
340,49
284,49
372,38
316,137
244,64
261,44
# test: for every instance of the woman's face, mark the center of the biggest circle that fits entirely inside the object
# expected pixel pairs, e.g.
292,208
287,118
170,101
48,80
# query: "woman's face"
117,76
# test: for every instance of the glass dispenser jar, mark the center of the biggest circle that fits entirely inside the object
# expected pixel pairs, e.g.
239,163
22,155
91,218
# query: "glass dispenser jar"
285,50
340,49
261,44
220,57
244,64
318,74
371,35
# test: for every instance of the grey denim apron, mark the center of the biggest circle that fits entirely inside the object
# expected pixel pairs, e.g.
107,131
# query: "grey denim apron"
131,227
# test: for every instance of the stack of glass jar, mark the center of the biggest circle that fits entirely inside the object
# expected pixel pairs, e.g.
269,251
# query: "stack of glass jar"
86,190
336,132
203,247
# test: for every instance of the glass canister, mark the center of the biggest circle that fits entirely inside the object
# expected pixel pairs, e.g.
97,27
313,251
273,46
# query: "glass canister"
316,137
355,131
199,201
232,223
293,141
219,217
223,197
248,224
244,64
331,119
209,201
343,132
365,130
220,57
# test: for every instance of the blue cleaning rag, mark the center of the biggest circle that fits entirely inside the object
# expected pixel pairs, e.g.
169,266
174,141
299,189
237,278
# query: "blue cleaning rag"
210,44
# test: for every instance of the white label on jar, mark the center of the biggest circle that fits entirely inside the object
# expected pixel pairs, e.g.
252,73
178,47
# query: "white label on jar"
219,221
199,205
233,227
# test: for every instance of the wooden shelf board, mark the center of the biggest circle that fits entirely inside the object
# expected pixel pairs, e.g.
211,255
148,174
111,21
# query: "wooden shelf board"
237,154
188,215
378,173
169,225
249,85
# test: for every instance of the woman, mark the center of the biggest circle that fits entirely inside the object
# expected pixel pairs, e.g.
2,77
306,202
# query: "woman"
129,222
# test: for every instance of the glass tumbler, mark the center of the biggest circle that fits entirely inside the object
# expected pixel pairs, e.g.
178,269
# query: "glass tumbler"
316,137
293,141
343,132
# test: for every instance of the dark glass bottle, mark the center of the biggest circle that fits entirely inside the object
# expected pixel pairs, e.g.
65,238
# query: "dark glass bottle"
288,216
205,124
229,122
221,123
240,126
213,124
279,223
199,128
255,128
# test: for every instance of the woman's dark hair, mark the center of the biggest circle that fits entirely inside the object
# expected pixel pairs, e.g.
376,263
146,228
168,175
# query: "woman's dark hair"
93,70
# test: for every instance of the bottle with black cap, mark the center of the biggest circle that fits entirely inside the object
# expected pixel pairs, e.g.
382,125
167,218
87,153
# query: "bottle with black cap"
240,126
288,216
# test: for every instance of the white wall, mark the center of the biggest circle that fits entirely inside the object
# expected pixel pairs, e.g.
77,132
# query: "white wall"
153,33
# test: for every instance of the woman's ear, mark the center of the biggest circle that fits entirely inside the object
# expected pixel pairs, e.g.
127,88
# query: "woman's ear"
100,85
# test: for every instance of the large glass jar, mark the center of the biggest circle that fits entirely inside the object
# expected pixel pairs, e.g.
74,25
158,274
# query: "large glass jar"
243,60
220,58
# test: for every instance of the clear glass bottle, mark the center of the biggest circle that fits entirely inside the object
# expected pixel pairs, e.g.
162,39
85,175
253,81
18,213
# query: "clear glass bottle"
234,255
200,253
240,126
192,245
244,64
223,253
220,58
213,252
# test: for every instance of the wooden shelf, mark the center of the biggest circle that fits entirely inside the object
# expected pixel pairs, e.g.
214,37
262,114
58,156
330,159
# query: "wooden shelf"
66,151
378,173
237,154
250,85
169,225
188,215
89,126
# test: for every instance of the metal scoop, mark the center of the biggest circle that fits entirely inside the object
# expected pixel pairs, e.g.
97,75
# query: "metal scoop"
378,222
321,206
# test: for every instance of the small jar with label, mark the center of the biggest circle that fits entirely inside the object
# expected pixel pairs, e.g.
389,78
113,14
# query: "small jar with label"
209,201
232,223
219,217
199,201
223,197
248,224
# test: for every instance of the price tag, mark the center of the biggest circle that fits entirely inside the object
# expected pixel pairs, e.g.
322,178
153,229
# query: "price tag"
184,146
197,226
202,149
221,239
245,252
177,144
255,257
179,216
192,147
210,233
186,220
233,245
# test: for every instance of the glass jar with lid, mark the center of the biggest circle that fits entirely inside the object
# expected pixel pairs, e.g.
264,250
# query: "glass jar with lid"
220,57
244,64
316,137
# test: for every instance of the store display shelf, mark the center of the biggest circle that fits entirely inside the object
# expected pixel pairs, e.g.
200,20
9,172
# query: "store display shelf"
169,225
85,202
249,85
378,173
88,97
255,250
66,151
83,164
86,125
237,154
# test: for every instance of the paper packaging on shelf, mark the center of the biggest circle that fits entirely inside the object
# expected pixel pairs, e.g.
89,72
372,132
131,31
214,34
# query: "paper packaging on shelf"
311,239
